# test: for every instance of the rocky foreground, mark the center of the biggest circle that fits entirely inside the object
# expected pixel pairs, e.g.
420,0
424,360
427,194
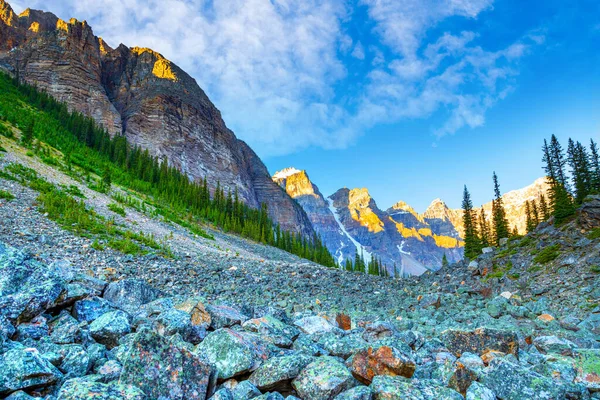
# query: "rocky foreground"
69,335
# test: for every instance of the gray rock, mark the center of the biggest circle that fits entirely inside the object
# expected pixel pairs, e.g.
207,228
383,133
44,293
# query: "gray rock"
76,362
323,379
163,370
314,324
130,294
87,310
110,327
84,389
233,353
276,373
356,393
225,316
245,391
25,368
388,387
479,392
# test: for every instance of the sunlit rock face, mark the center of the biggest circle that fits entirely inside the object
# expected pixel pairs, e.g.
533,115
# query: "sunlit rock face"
139,93
350,222
408,243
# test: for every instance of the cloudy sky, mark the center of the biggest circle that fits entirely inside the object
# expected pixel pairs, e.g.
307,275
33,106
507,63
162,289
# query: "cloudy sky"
410,98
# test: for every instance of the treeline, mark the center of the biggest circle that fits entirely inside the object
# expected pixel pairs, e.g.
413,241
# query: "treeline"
572,175
373,267
88,145
479,232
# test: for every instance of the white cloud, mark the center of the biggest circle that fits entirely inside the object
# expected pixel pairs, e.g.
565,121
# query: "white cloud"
275,69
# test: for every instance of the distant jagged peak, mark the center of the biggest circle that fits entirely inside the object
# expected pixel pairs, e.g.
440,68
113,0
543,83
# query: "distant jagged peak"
437,209
286,172
7,14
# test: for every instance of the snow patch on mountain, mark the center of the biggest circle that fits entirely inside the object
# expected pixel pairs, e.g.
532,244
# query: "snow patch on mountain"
286,172
366,255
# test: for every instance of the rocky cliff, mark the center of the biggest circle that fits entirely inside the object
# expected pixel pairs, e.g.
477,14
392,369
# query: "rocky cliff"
139,93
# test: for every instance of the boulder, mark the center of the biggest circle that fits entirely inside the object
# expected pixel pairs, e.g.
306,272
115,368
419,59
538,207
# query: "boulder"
75,362
481,340
323,379
271,396
589,212
479,392
343,346
163,370
510,381
314,324
276,373
87,310
554,344
225,316
64,329
27,287
110,327
25,368
82,389
233,353
588,368
198,314
379,330
175,321
399,388
244,391
272,330
383,360
129,294
356,393
430,300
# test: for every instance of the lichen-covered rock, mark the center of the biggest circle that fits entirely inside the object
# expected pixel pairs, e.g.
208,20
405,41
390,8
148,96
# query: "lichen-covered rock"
130,294
589,213
379,330
84,389
588,368
222,394
383,360
271,396
343,346
64,329
27,287
513,382
225,316
177,321
481,340
591,323
356,393
461,379
244,391
479,392
233,353
110,327
24,368
198,314
163,370
20,395
553,344
272,330
110,370
276,373
397,388
75,362
87,310
314,324
323,379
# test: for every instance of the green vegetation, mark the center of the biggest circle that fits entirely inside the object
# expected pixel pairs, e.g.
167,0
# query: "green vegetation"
595,269
6,195
117,209
89,147
499,214
74,216
97,246
594,234
473,244
547,254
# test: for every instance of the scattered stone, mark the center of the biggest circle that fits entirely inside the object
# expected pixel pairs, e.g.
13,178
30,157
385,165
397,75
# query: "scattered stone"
233,353
553,344
110,327
82,389
163,370
398,388
130,294
225,316
545,317
479,392
323,379
88,310
276,373
356,393
24,368
384,360
481,340
314,324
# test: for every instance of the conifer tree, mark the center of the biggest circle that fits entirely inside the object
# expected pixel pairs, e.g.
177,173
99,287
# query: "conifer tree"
499,214
544,211
530,225
444,261
535,214
581,173
561,202
106,179
472,243
515,232
594,167
484,229
27,137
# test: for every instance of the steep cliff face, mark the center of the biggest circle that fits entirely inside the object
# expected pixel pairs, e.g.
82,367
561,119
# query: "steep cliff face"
320,212
139,93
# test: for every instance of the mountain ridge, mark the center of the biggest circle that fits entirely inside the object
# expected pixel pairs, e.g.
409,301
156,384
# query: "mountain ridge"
142,95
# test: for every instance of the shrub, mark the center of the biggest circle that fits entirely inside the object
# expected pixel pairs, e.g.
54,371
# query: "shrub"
547,254
117,209
126,246
595,269
6,195
594,234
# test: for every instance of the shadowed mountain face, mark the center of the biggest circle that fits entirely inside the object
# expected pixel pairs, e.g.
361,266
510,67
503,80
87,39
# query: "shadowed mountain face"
407,242
139,93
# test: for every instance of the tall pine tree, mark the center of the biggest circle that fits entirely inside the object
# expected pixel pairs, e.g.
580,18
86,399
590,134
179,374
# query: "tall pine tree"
561,202
594,167
501,229
472,242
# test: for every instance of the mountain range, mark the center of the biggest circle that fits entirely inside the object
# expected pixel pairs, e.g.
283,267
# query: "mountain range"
408,243
138,93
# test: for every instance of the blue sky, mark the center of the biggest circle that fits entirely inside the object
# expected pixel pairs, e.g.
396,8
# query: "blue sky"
409,98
